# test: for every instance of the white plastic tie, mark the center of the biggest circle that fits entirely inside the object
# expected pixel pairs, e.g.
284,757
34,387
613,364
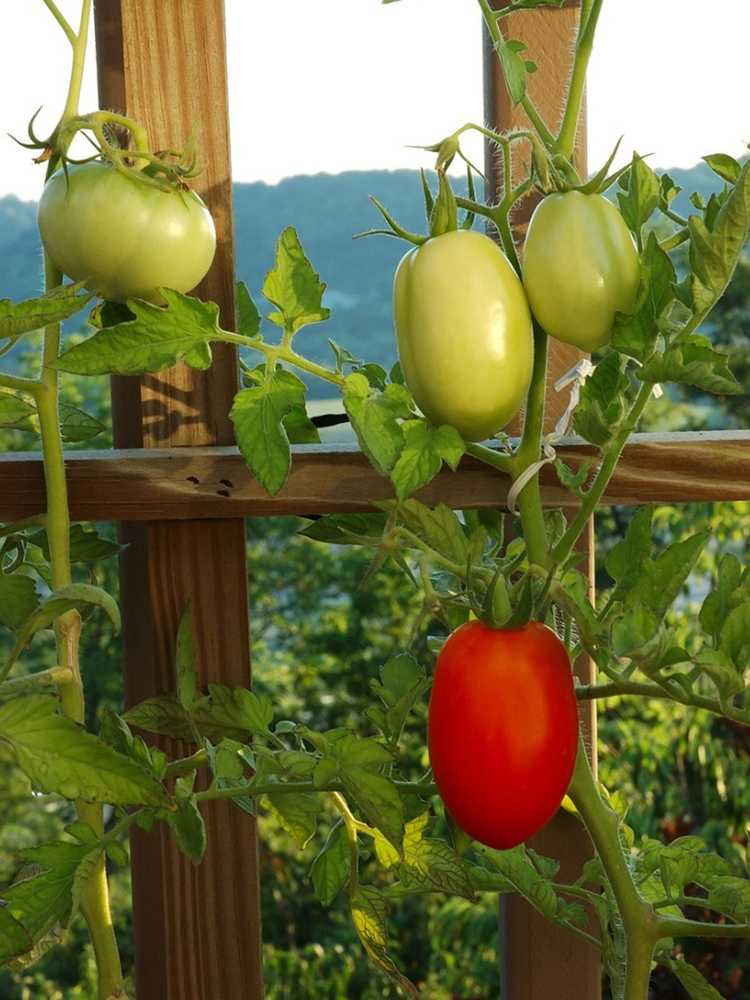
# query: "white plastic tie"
575,379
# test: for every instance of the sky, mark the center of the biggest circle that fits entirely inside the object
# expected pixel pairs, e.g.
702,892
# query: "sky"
331,85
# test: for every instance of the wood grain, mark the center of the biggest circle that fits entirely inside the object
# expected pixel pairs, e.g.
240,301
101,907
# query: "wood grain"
199,483
197,928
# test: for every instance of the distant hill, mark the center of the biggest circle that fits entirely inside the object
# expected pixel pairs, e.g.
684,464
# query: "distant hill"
327,210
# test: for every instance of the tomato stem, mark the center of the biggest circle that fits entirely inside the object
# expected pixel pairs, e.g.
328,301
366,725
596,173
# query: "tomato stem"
61,20
589,16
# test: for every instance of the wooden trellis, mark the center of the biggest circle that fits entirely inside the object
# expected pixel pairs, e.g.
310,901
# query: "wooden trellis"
180,491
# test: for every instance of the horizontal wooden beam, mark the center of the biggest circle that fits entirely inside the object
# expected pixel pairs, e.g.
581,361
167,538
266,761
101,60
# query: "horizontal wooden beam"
188,483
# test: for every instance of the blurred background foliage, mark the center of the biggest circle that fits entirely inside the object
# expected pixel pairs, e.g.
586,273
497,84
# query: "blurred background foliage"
320,631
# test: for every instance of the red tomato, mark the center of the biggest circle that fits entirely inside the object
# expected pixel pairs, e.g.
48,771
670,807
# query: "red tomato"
503,730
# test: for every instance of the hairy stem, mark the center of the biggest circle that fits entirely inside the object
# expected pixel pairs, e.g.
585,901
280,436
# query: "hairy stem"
566,140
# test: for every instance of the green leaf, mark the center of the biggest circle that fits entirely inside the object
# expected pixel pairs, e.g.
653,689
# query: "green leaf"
716,606
694,983
641,196
625,560
601,408
16,413
663,578
425,449
514,67
347,529
77,426
76,596
734,638
434,865
725,166
259,414
332,867
297,812
46,899
233,713
294,287
693,361
17,318
715,252
14,938
438,527
18,599
634,631
157,338
374,417
60,756
521,876
248,317
368,914
378,800
353,751
86,544
636,334
189,829
719,666
187,682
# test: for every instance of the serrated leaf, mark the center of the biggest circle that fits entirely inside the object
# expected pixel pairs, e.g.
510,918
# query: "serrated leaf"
368,914
693,361
601,407
347,529
514,67
734,637
294,287
636,334
60,756
662,578
438,527
157,338
298,813
332,867
378,800
433,864
16,413
18,599
259,414
716,606
248,317
697,987
624,561
354,752
189,829
633,631
424,451
77,426
233,713
374,417
86,544
520,873
14,938
76,596
17,318
642,195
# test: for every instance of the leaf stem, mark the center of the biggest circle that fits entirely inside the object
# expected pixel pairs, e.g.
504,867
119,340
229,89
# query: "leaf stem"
566,140
647,690
61,20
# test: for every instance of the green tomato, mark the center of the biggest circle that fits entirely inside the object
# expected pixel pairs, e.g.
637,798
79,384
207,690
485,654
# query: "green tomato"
580,267
464,331
123,237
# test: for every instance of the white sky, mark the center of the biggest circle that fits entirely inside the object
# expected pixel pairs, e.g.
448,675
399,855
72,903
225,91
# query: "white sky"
346,84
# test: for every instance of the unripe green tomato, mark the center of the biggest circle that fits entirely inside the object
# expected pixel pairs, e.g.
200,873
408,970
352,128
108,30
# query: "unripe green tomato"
580,267
123,237
464,331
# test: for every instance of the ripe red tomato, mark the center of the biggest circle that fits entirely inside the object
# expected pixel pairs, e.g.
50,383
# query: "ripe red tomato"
503,730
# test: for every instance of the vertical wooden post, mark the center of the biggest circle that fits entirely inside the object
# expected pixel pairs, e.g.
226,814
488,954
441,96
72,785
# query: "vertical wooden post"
197,928
540,960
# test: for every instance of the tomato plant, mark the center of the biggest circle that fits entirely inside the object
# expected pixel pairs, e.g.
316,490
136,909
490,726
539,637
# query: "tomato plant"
123,236
502,719
502,730
580,268
464,333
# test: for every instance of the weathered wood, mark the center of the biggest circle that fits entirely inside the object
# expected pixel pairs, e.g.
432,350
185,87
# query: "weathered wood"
539,959
200,483
197,928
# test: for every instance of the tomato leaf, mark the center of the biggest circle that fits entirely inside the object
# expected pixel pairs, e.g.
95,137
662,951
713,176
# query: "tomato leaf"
76,426
434,865
332,867
725,166
691,979
18,599
514,67
17,318
368,914
294,287
715,249
641,194
437,527
374,417
693,361
625,560
663,578
734,638
636,334
157,338
717,605
189,829
248,317
601,407
347,529
425,449
297,812
16,413
233,713
259,416
378,799
14,938
86,544
60,756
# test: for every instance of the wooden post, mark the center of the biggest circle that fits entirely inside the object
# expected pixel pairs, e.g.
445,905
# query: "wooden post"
540,960
197,928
